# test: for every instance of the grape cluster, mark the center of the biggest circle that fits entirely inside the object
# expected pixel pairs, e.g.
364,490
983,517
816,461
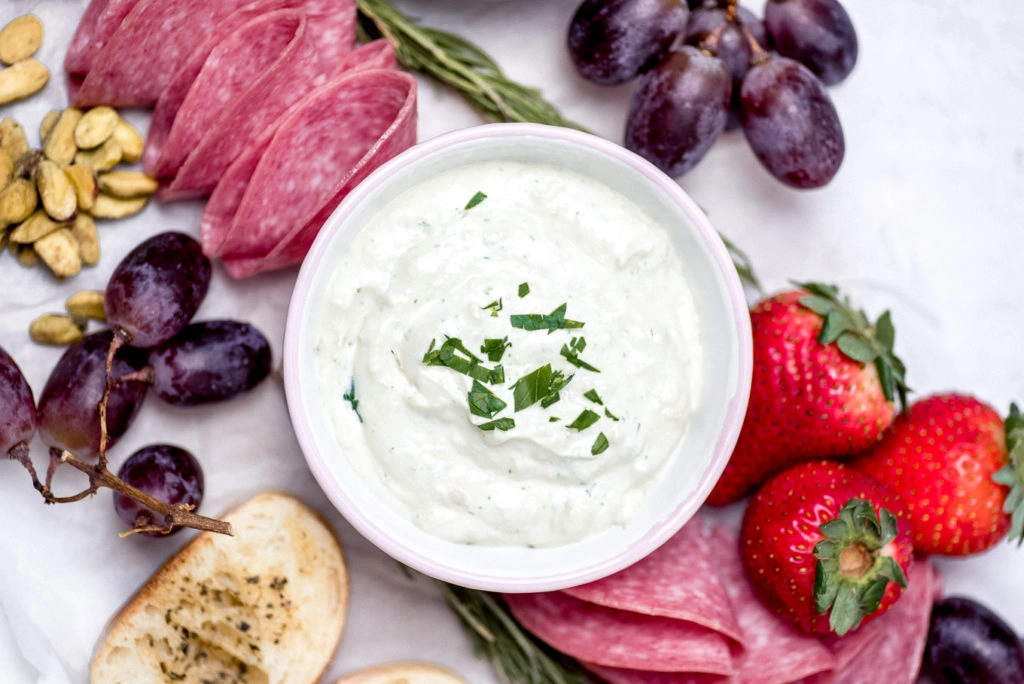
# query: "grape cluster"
100,382
705,66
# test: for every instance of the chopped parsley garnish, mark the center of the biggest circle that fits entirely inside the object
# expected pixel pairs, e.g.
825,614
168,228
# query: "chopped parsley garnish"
558,381
475,200
572,352
593,396
448,355
494,306
524,289
584,420
532,387
503,424
350,397
600,444
483,402
610,415
555,320
495,348
554,419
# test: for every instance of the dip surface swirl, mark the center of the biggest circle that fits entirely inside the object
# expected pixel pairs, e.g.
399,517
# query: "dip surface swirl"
426,268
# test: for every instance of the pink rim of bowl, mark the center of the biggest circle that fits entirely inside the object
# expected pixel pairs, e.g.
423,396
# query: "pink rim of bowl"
699,461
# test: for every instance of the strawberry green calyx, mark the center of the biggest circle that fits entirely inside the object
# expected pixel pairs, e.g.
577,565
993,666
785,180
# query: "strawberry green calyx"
1012,474
857,337
852,574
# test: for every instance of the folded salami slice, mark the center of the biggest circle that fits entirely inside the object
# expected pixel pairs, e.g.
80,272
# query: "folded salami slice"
167,105
895,644
619,638
99,21
377,54
157,37
618,675
775,651
677,580
268,207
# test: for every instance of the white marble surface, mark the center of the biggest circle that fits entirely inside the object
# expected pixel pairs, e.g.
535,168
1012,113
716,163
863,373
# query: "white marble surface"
923,218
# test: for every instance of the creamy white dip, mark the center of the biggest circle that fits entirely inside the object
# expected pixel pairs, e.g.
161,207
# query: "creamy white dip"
426,267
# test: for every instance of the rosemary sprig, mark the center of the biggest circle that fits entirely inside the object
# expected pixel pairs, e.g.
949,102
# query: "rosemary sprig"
458,63
515,656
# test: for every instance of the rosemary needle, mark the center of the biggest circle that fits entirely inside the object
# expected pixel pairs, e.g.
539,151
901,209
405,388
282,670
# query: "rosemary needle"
458,63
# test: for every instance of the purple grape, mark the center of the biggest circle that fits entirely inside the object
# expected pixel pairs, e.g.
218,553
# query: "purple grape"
679,110
17,406
969,644
611,41
68,406
816,33
209,361
165,472
791,124
156,289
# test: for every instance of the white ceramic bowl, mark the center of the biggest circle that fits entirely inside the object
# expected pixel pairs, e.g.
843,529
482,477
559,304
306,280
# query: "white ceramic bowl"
697,463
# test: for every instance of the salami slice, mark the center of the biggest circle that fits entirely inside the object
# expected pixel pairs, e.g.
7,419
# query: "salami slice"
273,199
677,580
618,675
619,638
377,54
167,105
893,654
99,21
775,651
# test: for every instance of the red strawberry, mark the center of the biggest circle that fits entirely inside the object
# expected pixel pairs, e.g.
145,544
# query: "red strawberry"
826,546
824,379
948,456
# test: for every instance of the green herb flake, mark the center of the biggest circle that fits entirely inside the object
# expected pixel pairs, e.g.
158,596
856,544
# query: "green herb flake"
611,415
503,424
448,355
593,396
483,402
494,348
555,320
584,420
494,306
554,419
532,387
350,397
524,289
475,200
572,352
600,444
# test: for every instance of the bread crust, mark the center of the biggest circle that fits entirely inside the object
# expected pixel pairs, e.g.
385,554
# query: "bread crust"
266,605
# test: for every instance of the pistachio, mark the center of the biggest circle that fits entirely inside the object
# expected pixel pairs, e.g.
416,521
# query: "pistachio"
55,191
129,140
110,207
20,39
25,165
38,225
83,180
22,79
86,304
59,145
6,168
25,254
57,329
4,236
102,158
127,184
13,138
84,230
59,251
95,127
46,125
17,201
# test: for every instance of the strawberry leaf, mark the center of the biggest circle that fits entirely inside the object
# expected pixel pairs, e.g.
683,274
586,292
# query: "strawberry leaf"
856,347
846,611
1012,474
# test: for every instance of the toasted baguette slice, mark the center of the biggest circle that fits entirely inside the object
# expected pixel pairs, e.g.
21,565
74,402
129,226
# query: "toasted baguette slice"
403,672
265,606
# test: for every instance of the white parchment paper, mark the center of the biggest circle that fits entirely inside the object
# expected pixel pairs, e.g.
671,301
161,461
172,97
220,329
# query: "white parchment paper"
924,218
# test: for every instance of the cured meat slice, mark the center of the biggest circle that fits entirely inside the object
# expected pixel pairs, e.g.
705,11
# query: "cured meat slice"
618,675
677,580
894,653
377,54
619,638
99,21
244,66
775,651
167,105
272,200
